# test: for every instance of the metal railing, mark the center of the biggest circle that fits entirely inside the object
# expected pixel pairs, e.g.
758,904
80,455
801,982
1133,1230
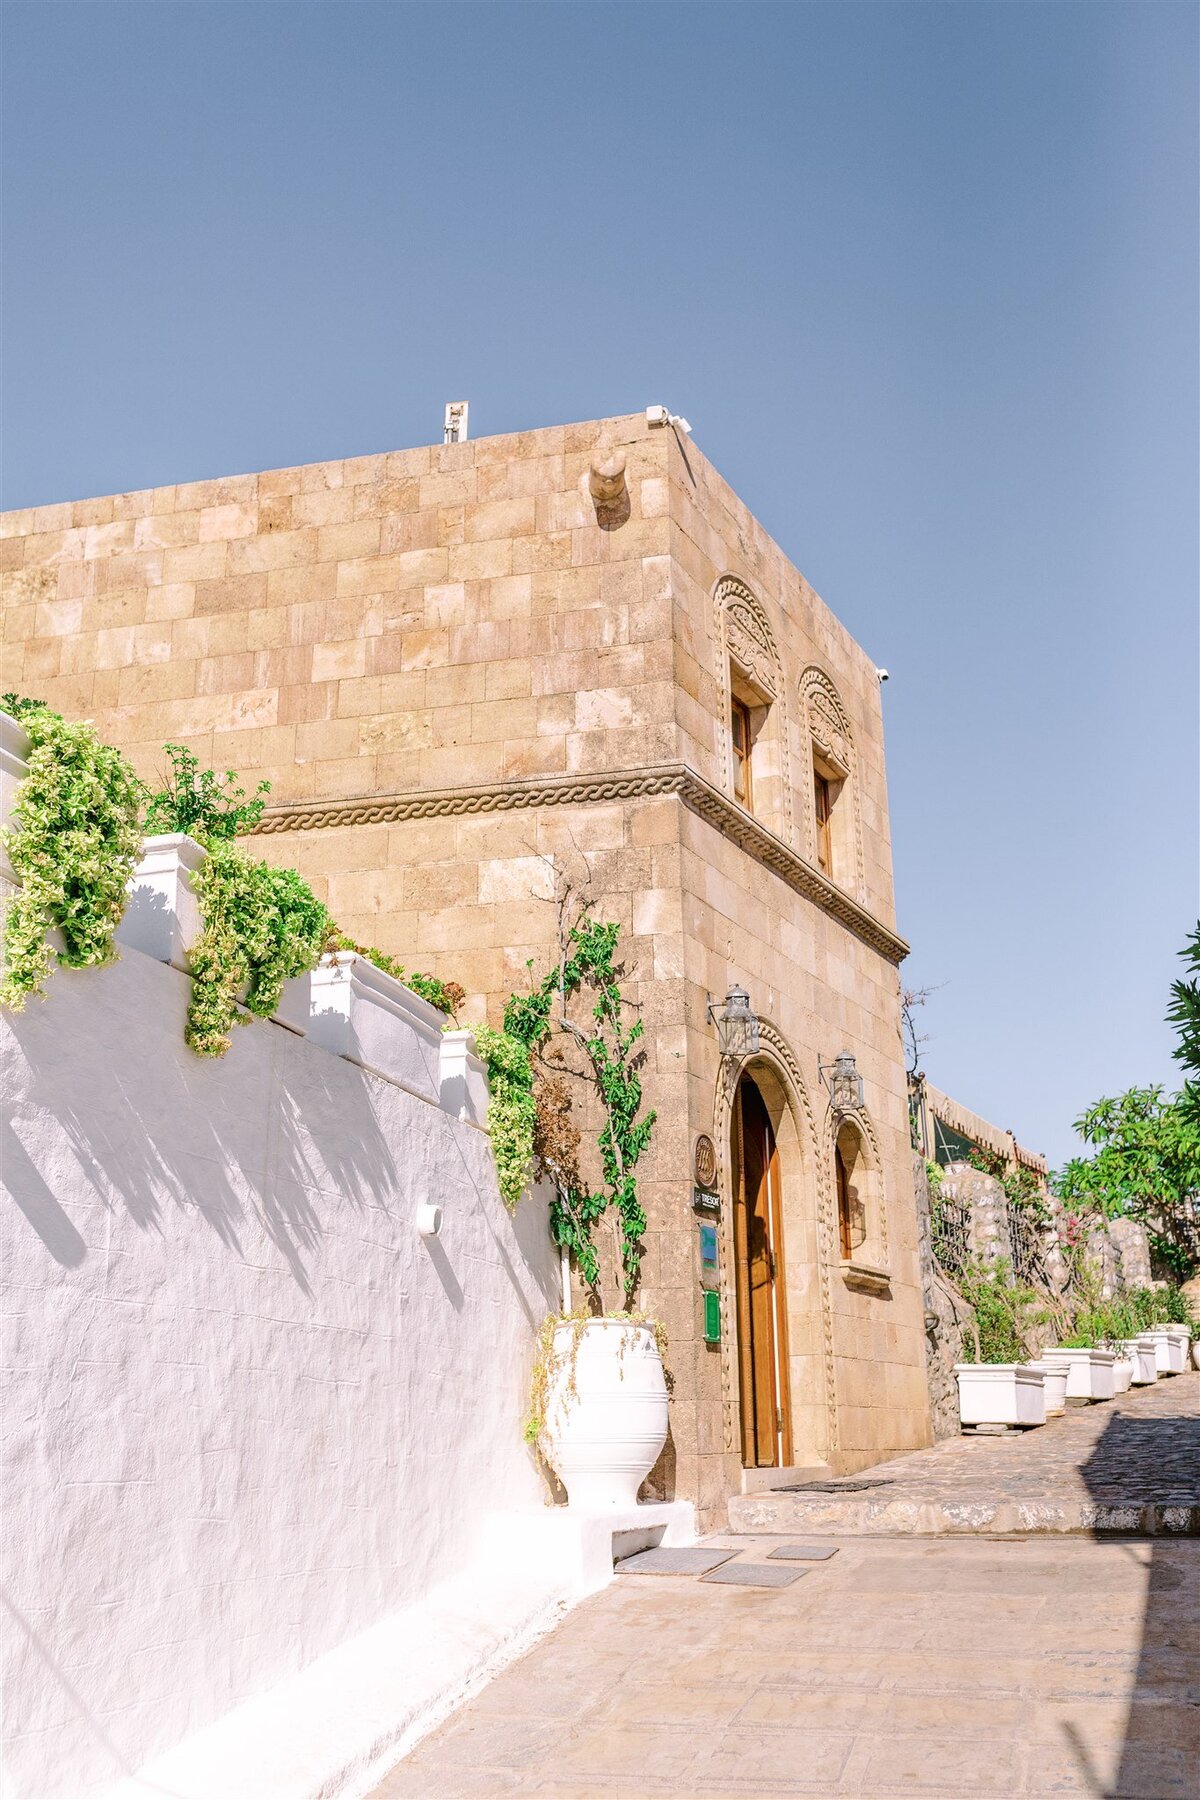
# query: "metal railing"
950,1232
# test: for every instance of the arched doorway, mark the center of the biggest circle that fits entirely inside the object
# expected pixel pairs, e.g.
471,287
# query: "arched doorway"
761,1290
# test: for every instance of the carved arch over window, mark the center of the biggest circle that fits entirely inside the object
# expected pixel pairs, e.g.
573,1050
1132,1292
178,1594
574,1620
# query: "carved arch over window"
750,670
828,750
858,1180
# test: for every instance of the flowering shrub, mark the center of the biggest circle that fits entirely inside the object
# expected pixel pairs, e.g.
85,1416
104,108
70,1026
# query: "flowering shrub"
73,846
261,927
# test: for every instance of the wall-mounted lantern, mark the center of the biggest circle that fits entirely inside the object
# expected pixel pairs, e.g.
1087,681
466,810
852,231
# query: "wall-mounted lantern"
843,1081
737,1025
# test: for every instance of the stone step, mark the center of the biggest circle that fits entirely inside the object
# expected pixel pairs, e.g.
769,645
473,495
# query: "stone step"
876,1515
757,1481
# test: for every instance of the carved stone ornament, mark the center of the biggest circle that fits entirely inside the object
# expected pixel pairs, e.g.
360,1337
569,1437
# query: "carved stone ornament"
749,643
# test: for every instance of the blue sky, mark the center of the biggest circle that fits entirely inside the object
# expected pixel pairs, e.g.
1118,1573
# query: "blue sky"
922,277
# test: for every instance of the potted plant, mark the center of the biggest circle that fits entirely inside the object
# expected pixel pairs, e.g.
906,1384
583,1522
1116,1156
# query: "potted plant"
1001,1394
598,1410
1090,1370
1143,1362
1171,1347
1004,1385
1054,1383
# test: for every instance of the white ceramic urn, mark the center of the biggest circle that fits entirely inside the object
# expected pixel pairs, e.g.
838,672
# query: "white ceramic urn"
606,1411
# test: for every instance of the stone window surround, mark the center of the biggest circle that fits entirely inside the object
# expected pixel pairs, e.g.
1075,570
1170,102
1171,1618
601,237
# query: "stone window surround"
868,1267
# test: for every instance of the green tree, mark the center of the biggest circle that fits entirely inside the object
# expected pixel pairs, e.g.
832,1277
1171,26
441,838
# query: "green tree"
1184,1014
1146,1166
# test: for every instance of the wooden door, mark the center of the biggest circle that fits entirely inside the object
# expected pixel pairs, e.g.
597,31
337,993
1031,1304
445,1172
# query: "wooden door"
761,1294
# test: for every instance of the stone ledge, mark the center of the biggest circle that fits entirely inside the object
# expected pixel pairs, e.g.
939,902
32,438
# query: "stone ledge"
825,1517
699,795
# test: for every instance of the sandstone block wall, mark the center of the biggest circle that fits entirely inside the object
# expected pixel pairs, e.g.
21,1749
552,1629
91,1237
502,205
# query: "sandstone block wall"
465,681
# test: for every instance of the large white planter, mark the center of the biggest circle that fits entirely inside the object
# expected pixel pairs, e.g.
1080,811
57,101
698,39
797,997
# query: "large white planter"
606,1411
1122,1373
1196,1353
1089,1372
1054,1381
463,1079
1178,1340
1140,1352
162,916
1170,1352
1001,1394
372,1019
14,758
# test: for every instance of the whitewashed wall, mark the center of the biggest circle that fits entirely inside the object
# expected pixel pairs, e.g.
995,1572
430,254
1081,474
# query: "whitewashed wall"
249,1413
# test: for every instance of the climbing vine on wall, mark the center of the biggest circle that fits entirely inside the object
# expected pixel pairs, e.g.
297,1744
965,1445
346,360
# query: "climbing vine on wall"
546,1020
73,846
511,1113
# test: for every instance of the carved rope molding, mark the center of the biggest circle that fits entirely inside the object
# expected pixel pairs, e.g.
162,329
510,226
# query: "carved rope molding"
714,807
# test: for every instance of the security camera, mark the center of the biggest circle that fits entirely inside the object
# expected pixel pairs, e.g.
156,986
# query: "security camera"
661,415
882,674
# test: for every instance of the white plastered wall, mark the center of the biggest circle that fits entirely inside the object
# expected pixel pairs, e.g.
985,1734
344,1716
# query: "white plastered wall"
252,1421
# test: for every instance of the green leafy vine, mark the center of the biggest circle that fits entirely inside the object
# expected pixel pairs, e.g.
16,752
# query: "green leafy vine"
511,1113
261,926
73,846
587,964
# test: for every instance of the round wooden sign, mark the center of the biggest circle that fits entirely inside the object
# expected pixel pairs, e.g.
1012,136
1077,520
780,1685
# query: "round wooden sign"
704,1162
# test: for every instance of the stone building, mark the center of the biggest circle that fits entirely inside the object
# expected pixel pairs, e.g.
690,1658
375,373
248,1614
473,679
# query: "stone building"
465,669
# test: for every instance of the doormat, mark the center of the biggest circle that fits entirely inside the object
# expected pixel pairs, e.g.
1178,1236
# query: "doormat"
755,1575
802,1553
831,1487
672,1562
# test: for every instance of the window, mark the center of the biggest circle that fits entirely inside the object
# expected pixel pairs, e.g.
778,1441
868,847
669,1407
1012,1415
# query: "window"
823,812
743,788
852,1213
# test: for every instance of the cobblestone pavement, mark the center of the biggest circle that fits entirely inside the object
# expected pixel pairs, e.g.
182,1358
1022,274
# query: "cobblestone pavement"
966,1669
960,1668
1137,1452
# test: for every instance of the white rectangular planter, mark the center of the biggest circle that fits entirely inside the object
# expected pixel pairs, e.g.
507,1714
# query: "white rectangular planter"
1170,1347
1055,1383
14,759
1089,1372
1140,1351
162,914
372,1019
1000,1394
464,1087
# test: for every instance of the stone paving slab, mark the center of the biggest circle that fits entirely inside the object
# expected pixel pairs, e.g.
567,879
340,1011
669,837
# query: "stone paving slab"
958,1668
803,1552
753,1574
1128,1465
673,1561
